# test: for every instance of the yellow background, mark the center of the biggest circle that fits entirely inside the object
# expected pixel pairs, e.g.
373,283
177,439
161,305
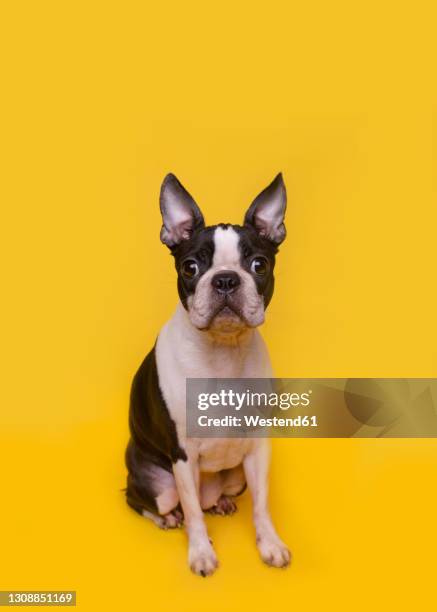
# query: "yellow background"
100,100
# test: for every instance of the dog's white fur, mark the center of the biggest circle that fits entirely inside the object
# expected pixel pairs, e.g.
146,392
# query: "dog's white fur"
226,350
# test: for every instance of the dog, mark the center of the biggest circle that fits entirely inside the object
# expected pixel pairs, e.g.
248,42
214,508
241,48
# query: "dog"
225,282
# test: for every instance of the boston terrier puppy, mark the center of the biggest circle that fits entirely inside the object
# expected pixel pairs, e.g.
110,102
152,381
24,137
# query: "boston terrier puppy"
225,282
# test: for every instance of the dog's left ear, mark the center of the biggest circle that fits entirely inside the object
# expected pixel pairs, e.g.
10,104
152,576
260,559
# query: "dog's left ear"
266,213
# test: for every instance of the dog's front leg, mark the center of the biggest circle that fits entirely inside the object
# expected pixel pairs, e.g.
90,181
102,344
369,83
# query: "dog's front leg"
272,549
201,555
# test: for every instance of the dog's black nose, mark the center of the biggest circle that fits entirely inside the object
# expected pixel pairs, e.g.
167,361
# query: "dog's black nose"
225,282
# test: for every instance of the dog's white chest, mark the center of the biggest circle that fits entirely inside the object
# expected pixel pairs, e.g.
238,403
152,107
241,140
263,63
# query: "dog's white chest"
183,352
221,454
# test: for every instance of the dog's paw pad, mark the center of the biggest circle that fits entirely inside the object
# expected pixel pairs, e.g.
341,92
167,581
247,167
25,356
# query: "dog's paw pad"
225,506
274,552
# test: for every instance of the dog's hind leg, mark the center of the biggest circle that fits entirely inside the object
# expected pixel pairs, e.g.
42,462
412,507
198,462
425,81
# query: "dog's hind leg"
151,490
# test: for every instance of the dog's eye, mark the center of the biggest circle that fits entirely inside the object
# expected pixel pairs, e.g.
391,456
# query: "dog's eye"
190,269
259,266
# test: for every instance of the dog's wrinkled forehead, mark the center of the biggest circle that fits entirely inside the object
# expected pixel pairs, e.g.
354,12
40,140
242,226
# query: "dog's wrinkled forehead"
224,245
219,244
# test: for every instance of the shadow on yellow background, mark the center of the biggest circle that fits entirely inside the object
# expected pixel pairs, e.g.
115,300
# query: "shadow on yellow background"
102,100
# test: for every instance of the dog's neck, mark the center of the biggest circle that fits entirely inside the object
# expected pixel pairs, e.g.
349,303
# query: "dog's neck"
187,352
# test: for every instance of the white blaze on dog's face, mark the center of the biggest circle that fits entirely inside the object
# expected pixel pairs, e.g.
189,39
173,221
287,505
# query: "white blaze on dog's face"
225,272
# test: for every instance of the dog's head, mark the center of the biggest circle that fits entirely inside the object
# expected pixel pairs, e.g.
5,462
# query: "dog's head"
225,272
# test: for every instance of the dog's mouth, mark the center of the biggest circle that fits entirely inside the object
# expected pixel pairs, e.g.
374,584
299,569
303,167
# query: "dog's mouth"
227,308
227,316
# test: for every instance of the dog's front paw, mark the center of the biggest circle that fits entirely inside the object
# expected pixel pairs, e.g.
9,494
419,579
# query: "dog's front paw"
273,551
202,559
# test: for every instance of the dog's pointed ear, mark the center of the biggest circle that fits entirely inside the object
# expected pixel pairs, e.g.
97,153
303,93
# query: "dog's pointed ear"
266,213
180,213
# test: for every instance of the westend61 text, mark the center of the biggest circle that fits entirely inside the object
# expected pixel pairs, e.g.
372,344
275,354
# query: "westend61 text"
255,421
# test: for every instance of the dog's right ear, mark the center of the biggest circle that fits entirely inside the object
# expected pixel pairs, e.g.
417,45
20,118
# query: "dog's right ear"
180,213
